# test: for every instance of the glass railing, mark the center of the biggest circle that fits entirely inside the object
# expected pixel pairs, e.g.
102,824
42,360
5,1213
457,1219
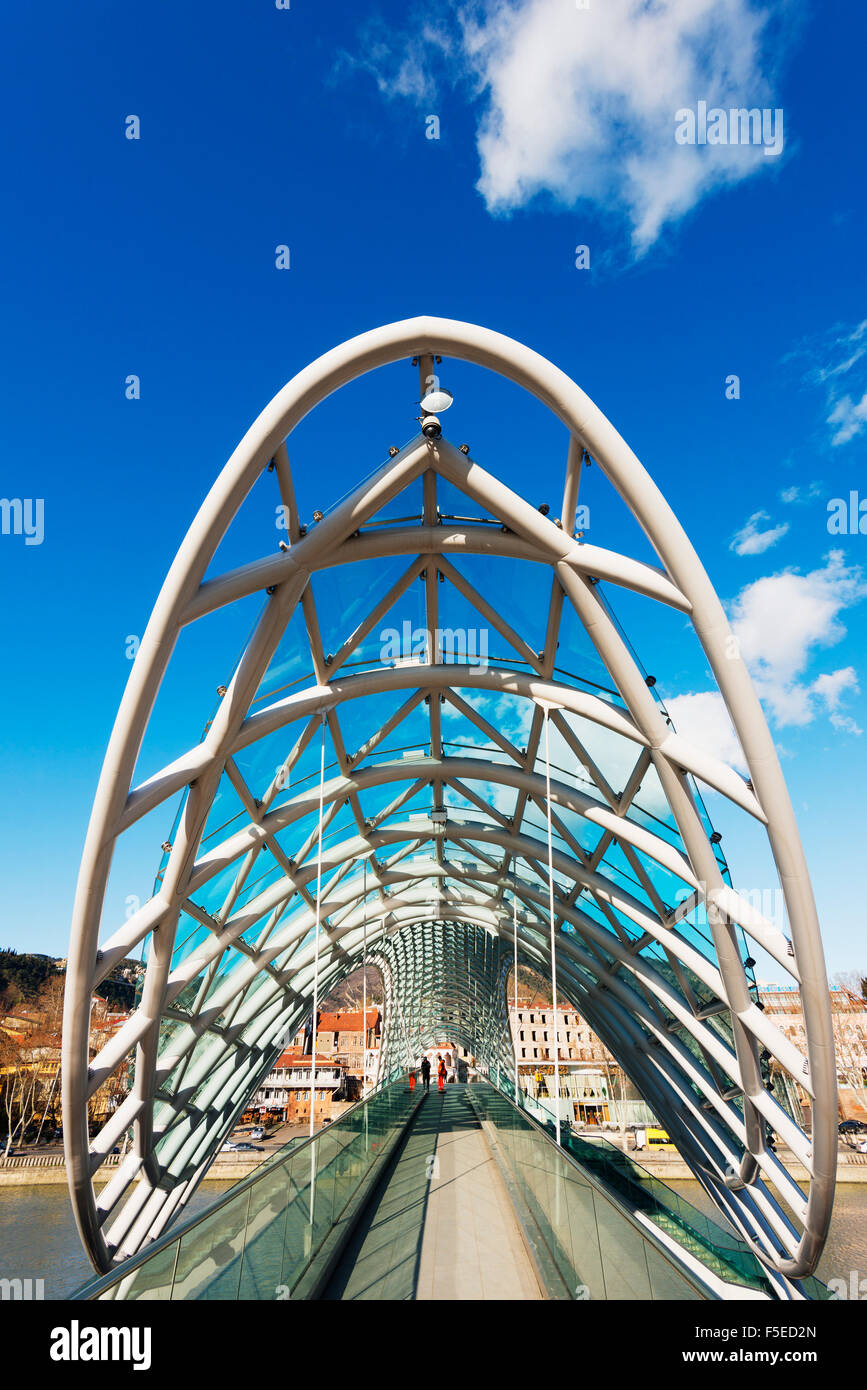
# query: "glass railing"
719,1250
267,1237
588,1241
607,1228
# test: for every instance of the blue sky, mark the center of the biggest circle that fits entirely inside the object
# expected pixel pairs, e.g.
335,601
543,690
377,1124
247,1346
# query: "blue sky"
308,127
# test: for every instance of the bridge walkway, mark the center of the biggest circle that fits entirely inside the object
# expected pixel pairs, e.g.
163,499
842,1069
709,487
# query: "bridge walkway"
440,1224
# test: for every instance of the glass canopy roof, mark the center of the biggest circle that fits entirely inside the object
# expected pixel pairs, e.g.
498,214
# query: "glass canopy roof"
435,682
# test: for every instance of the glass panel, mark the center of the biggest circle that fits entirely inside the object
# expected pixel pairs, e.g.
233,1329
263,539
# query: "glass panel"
296,1240
666,1283
149,1281
597,1248
262,1269
584,1237
209,1260
622,1251
261,1240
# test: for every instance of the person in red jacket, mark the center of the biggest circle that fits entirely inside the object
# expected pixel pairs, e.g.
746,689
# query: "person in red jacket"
441,1072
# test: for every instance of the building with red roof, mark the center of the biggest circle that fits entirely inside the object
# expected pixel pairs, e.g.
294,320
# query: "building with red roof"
348,1037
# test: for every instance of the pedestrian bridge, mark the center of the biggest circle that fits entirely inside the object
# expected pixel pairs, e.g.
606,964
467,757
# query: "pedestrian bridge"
458,1194
450,810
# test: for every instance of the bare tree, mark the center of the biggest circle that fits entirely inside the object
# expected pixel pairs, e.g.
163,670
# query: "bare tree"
9,1061
21,1087
853,980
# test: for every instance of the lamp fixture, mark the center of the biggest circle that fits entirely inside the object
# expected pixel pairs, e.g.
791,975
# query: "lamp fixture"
435,402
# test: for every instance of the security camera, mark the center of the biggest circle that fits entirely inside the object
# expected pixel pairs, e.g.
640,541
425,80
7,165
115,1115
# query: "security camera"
431,427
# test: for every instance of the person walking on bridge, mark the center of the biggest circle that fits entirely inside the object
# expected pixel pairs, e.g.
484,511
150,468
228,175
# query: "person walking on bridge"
441,1071
425,1072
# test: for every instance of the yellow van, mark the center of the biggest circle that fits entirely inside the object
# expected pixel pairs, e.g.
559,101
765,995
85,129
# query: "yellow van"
658,1139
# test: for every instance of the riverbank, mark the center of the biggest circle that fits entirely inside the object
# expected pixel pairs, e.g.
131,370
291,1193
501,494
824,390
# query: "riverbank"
45,1168
39,1175
33,1171
669,1170
670,1167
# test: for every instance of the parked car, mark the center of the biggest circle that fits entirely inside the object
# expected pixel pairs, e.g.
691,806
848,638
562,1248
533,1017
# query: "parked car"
852,1127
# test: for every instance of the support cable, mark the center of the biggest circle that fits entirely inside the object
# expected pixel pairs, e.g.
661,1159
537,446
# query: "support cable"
515,973
318,915
364,992
547,709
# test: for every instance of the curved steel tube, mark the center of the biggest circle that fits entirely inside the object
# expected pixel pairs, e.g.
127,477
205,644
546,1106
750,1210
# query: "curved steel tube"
213,1014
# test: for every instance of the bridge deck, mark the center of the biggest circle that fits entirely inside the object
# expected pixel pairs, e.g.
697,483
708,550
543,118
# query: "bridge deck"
453,1235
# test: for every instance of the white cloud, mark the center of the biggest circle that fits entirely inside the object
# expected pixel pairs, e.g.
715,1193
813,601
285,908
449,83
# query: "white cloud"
831,688
749,540
781,621
702,719
581,104
833,685
846,724
849,417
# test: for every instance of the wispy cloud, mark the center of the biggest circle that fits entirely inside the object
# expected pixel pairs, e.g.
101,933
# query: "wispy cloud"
852,344
402,64
751,540
800,494
846,724
580,104
838,362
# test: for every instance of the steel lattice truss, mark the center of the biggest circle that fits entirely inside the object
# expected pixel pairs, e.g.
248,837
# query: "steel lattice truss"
435,816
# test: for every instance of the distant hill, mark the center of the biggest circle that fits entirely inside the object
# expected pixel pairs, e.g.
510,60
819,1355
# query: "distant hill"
532,987
23,973
349,993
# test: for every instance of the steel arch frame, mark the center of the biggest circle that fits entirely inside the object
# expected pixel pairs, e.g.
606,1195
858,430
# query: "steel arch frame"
667,1028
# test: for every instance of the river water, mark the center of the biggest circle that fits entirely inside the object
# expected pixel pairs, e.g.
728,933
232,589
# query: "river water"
38,1239
846,1246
